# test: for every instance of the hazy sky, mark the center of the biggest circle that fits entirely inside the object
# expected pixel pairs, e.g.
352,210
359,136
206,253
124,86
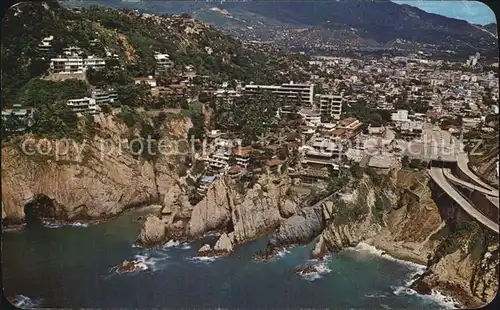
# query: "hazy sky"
472,11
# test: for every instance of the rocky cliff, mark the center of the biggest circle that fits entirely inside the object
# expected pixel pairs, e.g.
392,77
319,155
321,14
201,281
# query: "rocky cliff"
87,179
244,215
399,215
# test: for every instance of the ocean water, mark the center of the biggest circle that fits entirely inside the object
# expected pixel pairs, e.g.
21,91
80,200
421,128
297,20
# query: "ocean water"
72,266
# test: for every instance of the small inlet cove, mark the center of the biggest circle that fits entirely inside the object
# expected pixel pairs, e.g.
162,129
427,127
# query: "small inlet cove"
74,266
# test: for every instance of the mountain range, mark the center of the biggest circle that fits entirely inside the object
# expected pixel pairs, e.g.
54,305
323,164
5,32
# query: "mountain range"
321,26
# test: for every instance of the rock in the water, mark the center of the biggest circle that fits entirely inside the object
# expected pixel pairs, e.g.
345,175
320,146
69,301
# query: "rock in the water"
320,248
129,266
205,248
305,270
153,232
224,244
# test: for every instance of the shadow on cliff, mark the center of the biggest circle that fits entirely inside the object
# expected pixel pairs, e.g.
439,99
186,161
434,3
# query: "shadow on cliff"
38,209
447,210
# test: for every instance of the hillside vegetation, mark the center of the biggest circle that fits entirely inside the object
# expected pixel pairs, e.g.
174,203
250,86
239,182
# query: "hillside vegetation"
134,38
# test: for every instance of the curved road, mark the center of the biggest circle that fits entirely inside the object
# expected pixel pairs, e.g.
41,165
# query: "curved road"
438,177
462,160
447,173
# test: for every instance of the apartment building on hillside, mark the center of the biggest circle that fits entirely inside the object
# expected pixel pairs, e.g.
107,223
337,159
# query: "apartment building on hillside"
75,64
105,96
329,105
299,93
83,105
163,63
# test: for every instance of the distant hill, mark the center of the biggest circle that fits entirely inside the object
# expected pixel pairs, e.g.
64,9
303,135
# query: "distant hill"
342,23
493,28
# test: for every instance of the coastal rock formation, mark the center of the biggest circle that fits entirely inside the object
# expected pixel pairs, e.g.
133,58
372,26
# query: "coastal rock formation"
298,229
319,248
464,268
205,248
92,179
257,211
80,186
398,215
225,243
212,212
248,215
153,232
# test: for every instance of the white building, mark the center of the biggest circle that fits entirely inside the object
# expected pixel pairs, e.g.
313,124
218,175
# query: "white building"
104,96
72,51
322,152
145,80
83,105
329,105
227,96
311,117
400,116
46,44
75,64
303,93
163,63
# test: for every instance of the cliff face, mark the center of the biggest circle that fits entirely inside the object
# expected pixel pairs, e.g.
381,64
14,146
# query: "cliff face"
88,180
399,216
247,215
244,216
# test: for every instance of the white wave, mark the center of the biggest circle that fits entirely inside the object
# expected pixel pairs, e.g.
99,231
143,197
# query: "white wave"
56,225
77,224
203,259
148,262
398,290
364,247
320,271
436,296
171,244
52,225
24,302
282,253
445,301
177,244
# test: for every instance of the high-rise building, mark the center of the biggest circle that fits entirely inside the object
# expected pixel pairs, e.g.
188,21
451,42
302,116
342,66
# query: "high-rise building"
329,105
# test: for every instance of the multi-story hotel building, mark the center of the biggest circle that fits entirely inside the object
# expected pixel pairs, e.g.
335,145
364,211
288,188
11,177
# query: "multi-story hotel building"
329,105
75,64
303,93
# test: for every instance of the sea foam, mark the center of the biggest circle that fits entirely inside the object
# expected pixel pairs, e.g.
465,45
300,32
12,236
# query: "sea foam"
436,296
24,302
321,269
55,225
